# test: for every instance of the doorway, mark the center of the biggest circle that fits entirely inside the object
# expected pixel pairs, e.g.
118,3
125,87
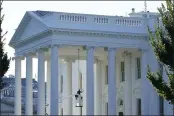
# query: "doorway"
120,114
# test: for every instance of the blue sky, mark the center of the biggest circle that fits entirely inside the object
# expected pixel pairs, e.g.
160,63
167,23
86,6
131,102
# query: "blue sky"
15,10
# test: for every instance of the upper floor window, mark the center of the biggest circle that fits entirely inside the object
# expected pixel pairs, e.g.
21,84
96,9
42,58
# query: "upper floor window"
106,77
61,83
122,71
138,68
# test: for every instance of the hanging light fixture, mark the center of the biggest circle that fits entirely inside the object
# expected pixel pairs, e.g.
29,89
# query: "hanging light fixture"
78,96
79,99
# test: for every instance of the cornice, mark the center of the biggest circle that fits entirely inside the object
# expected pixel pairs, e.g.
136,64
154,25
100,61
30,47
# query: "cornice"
95,33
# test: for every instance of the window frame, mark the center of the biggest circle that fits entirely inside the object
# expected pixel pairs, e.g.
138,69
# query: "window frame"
139,105
138,68
122,71
106,75
61,84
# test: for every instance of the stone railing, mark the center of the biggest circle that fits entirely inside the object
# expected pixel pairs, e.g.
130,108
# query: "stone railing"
100,19
73,18
129,21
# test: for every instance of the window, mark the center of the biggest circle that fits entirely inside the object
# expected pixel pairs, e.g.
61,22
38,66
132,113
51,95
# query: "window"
138,68
61,83
106,77
122,72
81,111
139,107
106,106
62,111
161,106
121,102
161,68
120,114
161,100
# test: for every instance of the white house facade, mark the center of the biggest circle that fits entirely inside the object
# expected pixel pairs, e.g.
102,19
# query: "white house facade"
113,54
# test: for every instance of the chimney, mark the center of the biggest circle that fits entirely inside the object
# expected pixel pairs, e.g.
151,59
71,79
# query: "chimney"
133,10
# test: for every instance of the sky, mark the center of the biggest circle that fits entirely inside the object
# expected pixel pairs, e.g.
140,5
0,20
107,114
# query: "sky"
15,10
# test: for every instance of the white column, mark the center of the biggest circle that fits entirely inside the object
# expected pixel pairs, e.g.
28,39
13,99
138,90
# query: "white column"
103,95
29,87
48,88
17,86
90,81
128,85
111,82
134,104
144,84
54,80
154,108
68,88
41,83
98,89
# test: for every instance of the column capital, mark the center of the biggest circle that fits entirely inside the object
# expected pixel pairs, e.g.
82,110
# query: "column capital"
66,60
42,49
97,60
32,54
143,50
111,48
88,47
126,53
54,45
21,57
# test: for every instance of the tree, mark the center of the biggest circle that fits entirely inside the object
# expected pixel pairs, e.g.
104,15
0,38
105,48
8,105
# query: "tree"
162,41
4,61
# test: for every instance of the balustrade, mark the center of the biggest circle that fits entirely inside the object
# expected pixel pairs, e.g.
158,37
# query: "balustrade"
97,19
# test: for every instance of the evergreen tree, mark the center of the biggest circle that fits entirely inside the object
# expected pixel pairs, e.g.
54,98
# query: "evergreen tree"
4,61
162,42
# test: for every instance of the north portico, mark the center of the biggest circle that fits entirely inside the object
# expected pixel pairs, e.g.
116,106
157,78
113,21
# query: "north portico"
102,40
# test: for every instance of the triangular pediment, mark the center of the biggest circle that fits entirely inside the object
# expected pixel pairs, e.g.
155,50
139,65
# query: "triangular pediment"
28,27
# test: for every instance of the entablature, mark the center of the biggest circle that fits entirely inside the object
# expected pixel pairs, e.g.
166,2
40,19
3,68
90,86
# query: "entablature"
71,32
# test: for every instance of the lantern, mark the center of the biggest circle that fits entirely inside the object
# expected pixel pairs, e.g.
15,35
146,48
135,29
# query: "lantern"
79,99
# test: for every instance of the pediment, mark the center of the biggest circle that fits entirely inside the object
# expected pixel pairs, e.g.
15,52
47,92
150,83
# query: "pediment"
29,26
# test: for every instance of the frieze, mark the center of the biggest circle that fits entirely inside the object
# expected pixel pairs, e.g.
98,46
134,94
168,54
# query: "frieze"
99,34
77,33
